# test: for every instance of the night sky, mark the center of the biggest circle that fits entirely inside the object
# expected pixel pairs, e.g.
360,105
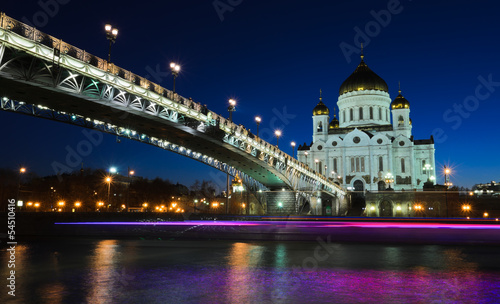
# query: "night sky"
273,57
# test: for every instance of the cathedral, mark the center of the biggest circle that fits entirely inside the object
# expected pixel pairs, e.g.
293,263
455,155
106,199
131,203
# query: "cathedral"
361,149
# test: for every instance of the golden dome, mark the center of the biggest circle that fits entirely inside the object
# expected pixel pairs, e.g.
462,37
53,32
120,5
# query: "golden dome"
334,124
320,108
400,102
363,79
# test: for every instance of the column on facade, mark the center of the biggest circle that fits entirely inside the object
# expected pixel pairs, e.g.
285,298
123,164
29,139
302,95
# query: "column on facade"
391,164
344,166
413,172
370,160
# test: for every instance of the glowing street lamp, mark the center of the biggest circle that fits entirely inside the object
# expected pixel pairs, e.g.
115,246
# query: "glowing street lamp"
258,120
293,148
389,179
305,154
78,204
22,170
108,180
278,134
175,68
111,34
447,182
231,108
427,168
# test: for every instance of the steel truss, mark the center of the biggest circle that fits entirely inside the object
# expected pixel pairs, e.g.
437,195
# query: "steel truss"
32,57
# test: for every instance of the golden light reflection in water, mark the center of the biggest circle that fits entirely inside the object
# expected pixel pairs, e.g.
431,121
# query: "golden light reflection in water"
53,293
242,260
103,273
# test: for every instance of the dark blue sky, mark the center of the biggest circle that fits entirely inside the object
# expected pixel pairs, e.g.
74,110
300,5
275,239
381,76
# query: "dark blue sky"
273,57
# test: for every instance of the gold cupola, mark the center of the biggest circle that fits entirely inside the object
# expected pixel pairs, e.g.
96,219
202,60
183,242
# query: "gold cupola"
400,102
320,108
334,124
363,79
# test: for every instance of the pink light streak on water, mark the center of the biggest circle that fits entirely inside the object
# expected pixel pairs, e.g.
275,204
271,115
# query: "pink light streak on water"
302,224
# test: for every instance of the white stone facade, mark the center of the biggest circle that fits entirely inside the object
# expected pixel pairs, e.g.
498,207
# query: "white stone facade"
365,146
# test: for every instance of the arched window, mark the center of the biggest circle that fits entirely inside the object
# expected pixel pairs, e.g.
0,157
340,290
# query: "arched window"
403,169
320,127
335,166
343,115
401,121
423,167
352,115
387,115
380,113
371,112
360,113
380,163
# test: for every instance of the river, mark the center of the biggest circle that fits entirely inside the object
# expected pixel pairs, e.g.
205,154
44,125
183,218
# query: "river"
91,270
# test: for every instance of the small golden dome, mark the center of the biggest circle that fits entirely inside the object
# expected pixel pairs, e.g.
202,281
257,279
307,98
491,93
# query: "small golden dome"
400,102
320,108
363,79
334,124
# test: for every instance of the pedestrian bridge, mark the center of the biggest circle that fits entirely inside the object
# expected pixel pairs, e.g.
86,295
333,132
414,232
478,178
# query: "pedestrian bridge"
46,77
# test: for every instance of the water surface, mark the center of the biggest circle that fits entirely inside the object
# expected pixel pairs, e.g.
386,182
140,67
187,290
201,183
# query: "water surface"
67,270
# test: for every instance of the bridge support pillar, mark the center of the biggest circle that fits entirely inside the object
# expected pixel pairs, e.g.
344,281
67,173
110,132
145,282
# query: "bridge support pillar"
281,202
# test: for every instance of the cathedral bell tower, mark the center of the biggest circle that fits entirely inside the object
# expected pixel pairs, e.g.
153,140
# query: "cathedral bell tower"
321,120
401,121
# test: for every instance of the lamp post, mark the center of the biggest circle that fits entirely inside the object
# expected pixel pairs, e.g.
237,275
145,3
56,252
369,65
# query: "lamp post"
258,120
111,34
317,165
231,108
61,205
22,170
428,168
175,68
278,134
389,179
129,177
293,149
447,183
108,180
305,154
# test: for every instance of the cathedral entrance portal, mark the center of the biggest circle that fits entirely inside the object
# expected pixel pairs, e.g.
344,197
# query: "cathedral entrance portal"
358,199
358,186
385,209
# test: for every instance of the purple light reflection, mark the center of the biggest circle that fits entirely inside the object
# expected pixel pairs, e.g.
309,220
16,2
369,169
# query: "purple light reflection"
300,224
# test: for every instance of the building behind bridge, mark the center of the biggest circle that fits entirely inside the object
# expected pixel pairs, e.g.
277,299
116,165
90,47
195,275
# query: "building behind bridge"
369,146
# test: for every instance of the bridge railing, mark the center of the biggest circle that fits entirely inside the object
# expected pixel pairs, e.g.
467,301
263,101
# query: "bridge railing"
61,47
